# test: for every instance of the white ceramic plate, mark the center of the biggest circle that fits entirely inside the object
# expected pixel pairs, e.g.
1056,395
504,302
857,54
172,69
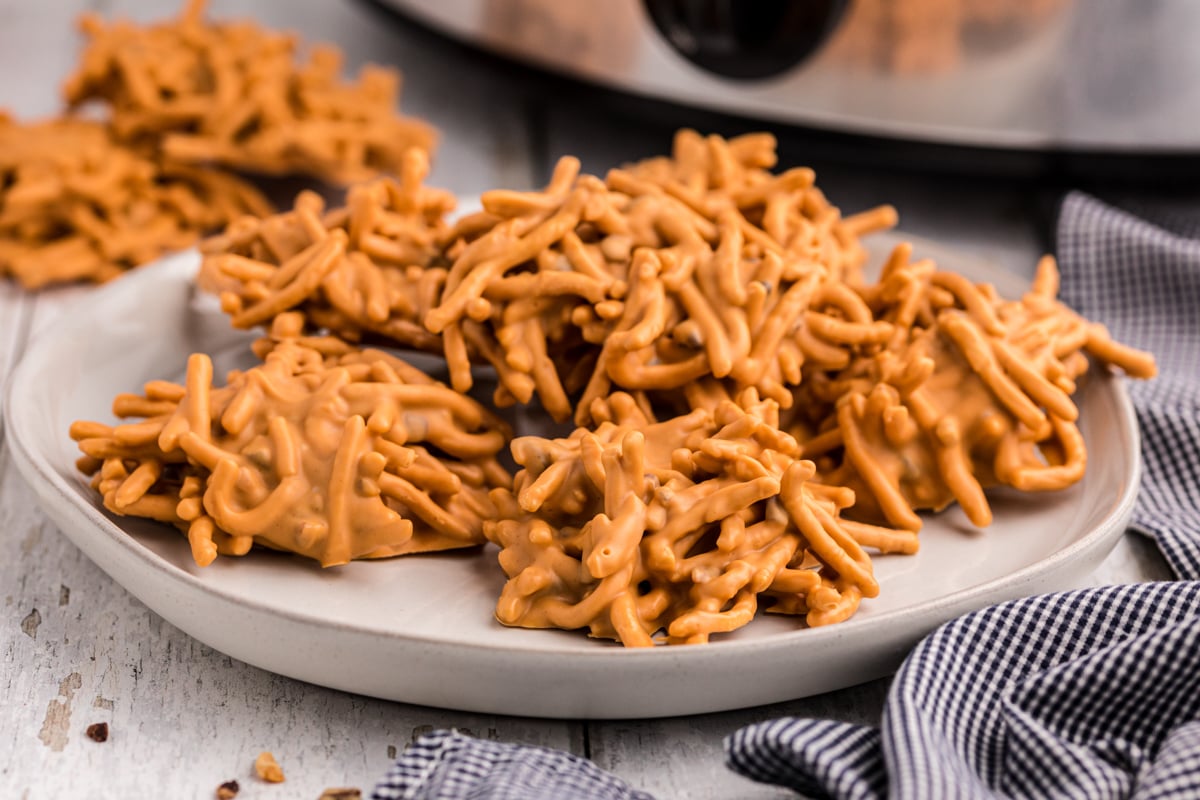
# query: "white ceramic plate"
420,629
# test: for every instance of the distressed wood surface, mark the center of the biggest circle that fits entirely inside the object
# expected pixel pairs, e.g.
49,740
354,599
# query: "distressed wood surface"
75,648
79,649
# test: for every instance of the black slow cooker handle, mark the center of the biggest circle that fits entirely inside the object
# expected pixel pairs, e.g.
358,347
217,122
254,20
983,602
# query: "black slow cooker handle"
745,39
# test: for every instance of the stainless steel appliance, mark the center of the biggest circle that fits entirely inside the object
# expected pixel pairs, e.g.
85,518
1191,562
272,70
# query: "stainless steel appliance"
1119,76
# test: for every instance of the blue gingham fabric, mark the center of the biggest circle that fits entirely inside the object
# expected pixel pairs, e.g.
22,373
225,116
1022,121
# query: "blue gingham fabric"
1143,281
446,765
1086,694
1092,694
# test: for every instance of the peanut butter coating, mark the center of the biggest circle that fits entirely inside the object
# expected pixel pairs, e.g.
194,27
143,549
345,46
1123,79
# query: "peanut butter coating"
972,391
233,94
639,527
77,205
665,272
334,456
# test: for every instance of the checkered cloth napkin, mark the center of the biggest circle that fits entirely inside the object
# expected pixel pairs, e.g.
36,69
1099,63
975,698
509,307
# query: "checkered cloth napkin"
445,765
1092,693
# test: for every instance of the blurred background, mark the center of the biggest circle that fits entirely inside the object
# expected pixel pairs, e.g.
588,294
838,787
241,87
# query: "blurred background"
972,117
1068,75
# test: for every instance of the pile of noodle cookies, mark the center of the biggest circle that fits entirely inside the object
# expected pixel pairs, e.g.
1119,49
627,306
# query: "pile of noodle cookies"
182,110
78,205
752,418
237,95
685,524
661,274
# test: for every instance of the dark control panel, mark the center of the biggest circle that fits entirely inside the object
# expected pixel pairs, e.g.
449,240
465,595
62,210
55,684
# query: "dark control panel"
745,38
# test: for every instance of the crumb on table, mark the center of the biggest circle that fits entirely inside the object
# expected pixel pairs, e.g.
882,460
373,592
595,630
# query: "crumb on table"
268,768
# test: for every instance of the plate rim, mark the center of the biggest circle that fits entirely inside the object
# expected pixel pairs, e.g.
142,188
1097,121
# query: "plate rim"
36,468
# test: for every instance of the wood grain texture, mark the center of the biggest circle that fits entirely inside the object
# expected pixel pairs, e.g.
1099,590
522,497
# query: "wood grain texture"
80,649
182,717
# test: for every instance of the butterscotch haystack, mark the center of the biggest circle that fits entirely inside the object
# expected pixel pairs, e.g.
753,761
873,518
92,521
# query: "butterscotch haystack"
236,94
77,206
969,392
373,281
702,264
674,269
323,450
679,526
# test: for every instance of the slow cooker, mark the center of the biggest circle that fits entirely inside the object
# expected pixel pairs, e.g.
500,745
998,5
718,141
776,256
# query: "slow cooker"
1107,76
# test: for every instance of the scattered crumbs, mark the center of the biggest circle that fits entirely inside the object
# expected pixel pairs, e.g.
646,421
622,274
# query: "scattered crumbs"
341,794
268,768
64,595
391,752
98,731
228,790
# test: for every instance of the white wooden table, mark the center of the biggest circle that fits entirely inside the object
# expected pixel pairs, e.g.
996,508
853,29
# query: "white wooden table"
75,648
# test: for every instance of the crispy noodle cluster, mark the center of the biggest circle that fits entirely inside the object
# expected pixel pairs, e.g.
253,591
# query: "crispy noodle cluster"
970,391
753,414
232,93
76,205
360,272
324,450
704,264
638,526
185,103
